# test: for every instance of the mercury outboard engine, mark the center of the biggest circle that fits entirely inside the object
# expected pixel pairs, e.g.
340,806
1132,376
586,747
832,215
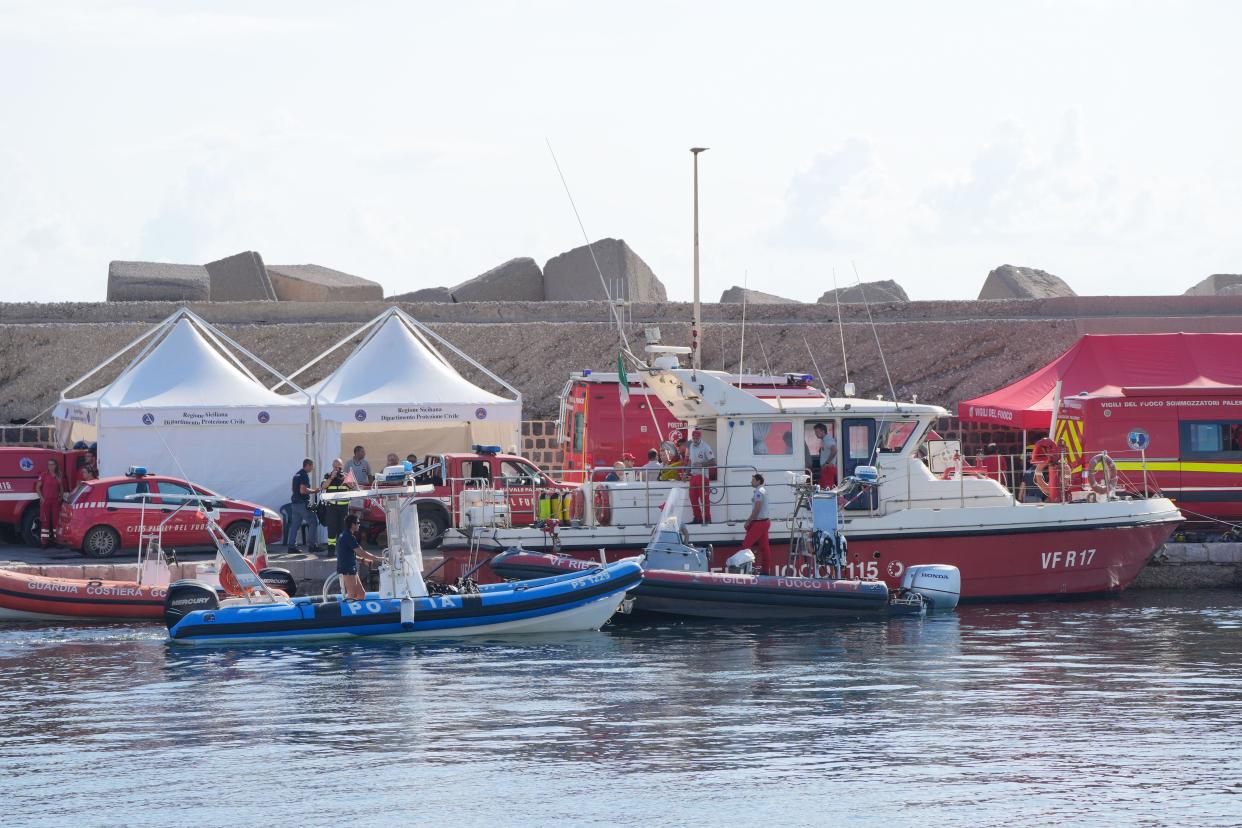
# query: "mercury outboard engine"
185,597
939,584
281,579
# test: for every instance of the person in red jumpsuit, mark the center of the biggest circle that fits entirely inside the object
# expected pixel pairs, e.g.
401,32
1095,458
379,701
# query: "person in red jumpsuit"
51,491
701,458
757,526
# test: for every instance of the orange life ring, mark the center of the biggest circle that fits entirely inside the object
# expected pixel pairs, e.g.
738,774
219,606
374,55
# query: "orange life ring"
228,581
603,506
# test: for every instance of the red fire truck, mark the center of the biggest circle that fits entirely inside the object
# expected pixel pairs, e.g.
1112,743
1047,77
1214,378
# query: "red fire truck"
596,430
1183,442
19,470
477,487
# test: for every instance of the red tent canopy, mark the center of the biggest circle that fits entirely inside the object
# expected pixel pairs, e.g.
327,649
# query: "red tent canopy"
1106,364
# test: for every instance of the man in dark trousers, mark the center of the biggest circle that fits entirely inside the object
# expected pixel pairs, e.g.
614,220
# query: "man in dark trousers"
334,511
348,550
301,510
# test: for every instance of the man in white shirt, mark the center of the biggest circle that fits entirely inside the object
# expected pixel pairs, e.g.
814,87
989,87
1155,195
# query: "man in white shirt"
652,468
359,468
757,527
700,458
827,457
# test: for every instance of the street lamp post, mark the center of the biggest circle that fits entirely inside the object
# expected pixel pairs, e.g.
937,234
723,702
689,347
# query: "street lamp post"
696,333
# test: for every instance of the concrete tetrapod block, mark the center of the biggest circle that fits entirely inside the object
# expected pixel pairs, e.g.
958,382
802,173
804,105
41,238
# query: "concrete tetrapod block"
434,294
753,297
572,276
517,280
240,278
1218,284
872,292
1010,282
157,282
315,283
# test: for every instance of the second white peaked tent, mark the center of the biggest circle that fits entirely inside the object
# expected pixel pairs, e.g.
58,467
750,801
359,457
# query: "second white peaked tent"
187,402
397,393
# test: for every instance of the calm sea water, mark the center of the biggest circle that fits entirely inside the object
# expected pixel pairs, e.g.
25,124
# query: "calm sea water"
1125,712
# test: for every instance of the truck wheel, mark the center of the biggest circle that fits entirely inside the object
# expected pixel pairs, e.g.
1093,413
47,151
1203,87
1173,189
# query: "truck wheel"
101,542
31,527
431,528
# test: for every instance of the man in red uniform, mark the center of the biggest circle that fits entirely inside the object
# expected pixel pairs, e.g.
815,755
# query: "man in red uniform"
757,526
700,458
51,490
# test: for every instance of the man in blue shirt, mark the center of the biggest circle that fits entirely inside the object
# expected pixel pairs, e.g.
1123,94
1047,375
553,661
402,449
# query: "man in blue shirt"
348,550
301,514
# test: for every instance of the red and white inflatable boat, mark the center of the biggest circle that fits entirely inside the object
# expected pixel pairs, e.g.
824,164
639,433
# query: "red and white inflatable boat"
28,597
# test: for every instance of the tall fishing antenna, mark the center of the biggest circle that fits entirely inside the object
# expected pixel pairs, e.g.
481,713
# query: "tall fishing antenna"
815,365
836,294
741,357
768,367
625,342
876,333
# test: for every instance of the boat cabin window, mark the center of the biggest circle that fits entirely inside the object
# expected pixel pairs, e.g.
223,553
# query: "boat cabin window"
858,441
771,438
1215,440
120,491
519,474
812,442
895,434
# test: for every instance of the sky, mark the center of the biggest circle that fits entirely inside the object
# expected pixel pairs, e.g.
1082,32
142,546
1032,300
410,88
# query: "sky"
409,142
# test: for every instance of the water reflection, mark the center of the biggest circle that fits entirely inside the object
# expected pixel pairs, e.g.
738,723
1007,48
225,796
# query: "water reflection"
1111,711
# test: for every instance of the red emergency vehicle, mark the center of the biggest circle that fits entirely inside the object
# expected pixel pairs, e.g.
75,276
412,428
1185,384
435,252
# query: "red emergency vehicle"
596,430
20,468
522,488
100,521
1183,442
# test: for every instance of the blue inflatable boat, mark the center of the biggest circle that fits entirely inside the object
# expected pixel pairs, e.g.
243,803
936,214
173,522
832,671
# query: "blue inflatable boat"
402,607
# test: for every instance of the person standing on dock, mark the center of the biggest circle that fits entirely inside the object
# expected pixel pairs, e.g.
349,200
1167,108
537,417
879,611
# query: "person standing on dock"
302,515
51,491
701,458
757,527
335,511
359,468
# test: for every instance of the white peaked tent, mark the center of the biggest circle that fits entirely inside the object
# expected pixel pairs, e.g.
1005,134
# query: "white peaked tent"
187,405
396,393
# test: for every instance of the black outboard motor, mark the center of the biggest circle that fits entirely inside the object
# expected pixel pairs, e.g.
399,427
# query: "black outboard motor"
185,597
281,579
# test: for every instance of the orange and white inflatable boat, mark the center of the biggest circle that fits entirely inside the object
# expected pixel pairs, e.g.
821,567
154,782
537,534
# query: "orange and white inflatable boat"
30,597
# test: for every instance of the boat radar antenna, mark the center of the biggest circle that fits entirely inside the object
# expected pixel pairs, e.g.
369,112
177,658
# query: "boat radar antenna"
876,334
845,363
612,305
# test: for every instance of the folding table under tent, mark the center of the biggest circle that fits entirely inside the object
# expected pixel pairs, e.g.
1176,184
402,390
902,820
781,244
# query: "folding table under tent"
186,405
397,393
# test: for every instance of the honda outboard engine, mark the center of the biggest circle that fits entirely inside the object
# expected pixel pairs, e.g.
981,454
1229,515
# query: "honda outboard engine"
741,561
185,597
281,579
939,584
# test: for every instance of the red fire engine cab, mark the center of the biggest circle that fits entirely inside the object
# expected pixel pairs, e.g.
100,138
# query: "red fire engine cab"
20,468
597,430
1183,442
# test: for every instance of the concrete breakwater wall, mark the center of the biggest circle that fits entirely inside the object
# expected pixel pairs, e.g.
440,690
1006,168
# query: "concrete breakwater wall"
942,351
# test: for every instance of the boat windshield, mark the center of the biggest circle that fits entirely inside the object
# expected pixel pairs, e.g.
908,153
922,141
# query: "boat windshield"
668,528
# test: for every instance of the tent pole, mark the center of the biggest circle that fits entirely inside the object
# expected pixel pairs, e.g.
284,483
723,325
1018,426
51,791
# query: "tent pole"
213,332
371,324
156,329
460,353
